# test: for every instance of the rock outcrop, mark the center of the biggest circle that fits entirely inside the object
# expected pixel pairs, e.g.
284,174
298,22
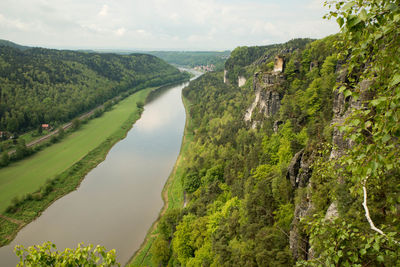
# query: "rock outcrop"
299,170
279,64
241,81
299,174
276,125
332,212
298,239
340,112
226,81
342,108
268,99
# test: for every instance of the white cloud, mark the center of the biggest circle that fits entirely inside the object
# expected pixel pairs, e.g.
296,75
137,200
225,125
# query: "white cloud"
120,31
167,24
14,23
94,28
104,11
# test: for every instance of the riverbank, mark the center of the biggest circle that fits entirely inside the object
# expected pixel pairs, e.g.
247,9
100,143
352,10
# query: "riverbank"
63,165
172,195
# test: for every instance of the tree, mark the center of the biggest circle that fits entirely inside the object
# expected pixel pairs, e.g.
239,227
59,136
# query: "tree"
47,255
61,133
40,129
21,150
182,239
160,251
76,123
140,104
5,159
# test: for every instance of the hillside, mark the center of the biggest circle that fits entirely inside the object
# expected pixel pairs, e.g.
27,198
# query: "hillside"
241,202
51,86
294,159
193,58
14,45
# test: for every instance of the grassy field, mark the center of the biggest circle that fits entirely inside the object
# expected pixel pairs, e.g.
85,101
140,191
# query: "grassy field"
28,175
172,195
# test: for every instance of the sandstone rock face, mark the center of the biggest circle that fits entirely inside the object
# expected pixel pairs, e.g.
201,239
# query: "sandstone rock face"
268,99
299,170
342,108
340,112
299,174
249,111
298,240
267,84
276,125
241,81
269,102
279,64
225,76
332,212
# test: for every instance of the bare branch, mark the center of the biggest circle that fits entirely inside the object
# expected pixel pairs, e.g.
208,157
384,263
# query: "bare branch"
371,223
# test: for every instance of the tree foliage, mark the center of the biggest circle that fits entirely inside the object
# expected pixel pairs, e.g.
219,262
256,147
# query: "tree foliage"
47,255
370,169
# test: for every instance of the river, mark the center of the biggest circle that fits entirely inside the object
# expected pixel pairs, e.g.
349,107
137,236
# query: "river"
118,200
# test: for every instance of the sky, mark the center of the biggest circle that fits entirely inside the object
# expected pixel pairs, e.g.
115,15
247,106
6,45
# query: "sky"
161,24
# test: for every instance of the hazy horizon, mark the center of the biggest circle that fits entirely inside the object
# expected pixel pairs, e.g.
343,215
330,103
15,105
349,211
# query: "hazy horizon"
161,25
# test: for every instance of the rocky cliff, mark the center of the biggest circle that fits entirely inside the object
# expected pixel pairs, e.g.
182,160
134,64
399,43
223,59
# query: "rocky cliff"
299,174
267,86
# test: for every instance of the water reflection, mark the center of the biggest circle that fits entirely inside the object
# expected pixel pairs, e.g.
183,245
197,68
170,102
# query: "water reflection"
119,199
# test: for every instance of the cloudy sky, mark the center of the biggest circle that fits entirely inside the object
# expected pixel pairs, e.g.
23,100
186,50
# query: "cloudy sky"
160,24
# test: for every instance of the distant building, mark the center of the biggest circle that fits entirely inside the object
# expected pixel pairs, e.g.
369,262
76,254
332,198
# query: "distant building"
45,126
205,68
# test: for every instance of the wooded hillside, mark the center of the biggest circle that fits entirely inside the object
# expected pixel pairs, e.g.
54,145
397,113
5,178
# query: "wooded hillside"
51,86
298,167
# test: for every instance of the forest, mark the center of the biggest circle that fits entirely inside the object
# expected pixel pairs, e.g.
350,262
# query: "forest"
193,58
45,86
300,165
312,183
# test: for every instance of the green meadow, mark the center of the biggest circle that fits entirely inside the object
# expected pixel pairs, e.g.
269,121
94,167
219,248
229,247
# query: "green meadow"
28,175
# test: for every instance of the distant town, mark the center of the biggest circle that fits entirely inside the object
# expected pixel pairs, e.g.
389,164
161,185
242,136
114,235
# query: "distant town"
205,68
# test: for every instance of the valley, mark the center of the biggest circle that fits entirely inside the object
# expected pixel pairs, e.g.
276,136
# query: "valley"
284,152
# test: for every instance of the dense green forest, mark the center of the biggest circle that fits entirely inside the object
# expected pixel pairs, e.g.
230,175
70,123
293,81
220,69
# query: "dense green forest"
313,182
193,58
40,85
299,166
241,204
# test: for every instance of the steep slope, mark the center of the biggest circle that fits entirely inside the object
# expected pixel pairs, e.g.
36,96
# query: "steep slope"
295,153
241,202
